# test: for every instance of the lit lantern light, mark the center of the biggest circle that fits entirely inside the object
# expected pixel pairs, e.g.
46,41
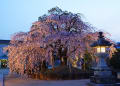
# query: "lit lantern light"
101,44
102,73
101,49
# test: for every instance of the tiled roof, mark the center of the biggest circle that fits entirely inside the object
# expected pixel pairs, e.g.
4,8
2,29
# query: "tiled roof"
3,58
4,41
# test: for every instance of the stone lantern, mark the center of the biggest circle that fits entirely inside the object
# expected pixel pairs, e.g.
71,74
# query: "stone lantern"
102,73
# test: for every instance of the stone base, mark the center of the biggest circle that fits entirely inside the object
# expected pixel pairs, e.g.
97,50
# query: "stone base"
93,84
117,84
103,80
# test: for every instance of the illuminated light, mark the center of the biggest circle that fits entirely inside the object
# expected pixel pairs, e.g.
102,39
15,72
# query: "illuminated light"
101,49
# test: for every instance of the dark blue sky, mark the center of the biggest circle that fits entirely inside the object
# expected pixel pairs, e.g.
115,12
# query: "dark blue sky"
18,15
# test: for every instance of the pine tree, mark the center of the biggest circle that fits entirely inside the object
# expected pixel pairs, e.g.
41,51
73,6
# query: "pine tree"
87,60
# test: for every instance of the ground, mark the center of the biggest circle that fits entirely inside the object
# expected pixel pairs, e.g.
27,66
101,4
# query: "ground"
30,82
10,80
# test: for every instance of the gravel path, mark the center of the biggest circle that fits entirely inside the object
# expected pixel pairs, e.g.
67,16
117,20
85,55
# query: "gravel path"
30,82
15,80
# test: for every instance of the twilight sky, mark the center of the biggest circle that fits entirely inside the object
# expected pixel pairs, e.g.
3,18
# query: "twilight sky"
18,15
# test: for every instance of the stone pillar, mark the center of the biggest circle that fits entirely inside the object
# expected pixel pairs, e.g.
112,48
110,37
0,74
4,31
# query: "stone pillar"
102,73
0,63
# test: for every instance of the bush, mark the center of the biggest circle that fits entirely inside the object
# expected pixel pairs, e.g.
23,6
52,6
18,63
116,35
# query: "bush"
115,60
63,73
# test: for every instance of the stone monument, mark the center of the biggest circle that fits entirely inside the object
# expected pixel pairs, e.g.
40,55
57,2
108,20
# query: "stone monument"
102,73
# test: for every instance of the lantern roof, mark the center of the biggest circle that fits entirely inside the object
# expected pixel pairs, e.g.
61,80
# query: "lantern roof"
101,41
